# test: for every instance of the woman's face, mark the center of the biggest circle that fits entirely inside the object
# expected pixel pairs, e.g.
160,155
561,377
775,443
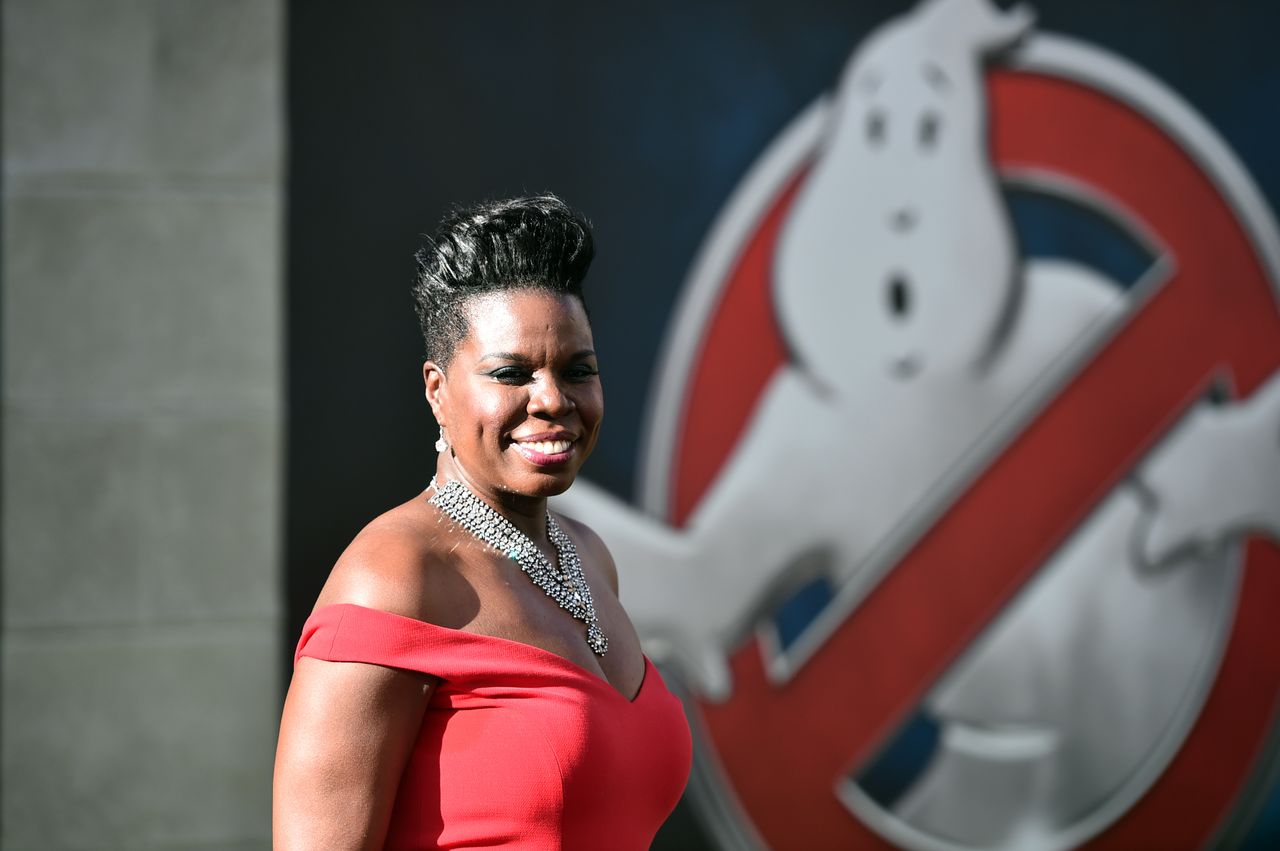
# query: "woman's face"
521,402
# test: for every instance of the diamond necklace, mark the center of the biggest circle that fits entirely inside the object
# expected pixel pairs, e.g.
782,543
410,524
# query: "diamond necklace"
567,586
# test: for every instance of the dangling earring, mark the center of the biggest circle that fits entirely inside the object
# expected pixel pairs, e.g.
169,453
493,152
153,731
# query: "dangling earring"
441,443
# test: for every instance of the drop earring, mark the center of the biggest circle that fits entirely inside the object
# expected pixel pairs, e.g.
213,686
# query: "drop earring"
441,443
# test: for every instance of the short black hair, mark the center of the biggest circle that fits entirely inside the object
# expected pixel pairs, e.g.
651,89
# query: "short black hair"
536,242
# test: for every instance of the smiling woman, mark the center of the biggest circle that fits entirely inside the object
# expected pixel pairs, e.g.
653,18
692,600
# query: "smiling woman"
426,617
520,398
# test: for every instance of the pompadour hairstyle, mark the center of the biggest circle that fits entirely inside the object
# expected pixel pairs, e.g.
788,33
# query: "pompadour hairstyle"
537,242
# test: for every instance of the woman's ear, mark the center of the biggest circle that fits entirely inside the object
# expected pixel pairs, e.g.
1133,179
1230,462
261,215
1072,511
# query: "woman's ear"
434,384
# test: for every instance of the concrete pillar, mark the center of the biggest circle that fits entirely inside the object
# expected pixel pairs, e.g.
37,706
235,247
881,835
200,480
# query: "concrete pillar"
141,380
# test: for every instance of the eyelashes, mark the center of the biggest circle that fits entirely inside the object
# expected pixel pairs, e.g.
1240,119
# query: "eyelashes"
510,375
516,376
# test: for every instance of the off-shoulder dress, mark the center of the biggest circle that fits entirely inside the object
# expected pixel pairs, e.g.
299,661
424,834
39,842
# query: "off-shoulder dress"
520,748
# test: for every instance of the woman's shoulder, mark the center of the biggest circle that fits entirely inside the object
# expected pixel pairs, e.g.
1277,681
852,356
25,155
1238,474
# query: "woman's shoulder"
399,563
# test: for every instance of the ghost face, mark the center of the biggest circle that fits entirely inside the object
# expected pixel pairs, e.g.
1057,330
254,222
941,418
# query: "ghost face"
520,402
899,238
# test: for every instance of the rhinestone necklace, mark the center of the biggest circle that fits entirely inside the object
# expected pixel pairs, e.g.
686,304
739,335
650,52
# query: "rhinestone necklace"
567,586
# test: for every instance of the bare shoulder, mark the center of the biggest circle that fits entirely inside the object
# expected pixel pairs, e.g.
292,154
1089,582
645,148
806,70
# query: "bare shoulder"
399,563
591,548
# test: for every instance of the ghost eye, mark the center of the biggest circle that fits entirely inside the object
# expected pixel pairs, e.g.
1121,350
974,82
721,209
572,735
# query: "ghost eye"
929,127
877,127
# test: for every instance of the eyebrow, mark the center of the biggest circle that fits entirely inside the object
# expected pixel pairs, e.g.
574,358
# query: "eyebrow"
517,358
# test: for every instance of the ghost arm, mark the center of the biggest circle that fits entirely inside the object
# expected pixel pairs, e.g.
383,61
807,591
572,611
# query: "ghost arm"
1216,477
692,591
658,582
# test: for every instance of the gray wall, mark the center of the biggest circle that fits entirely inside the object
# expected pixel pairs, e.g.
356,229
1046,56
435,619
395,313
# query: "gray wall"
142,419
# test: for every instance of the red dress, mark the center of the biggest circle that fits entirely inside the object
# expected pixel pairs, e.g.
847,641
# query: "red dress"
520,748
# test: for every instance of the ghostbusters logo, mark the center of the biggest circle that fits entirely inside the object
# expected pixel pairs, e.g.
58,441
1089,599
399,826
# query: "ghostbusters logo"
956,544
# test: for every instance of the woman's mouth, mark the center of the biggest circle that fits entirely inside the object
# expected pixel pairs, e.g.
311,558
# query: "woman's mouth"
545,453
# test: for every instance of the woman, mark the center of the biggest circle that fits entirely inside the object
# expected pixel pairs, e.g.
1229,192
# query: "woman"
468,677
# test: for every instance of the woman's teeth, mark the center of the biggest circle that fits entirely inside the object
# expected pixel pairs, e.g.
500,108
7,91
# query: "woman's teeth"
548,447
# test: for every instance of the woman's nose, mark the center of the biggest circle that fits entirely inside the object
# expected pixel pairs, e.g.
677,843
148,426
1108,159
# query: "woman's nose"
549,398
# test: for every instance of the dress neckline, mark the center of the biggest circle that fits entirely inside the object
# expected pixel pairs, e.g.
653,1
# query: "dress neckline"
547,655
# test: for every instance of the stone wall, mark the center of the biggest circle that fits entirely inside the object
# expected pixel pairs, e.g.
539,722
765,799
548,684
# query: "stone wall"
142,422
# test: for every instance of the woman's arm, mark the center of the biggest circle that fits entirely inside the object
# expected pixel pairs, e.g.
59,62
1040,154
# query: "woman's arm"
348,727
345,736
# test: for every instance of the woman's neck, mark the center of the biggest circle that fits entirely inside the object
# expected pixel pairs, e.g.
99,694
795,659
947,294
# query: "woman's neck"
526,513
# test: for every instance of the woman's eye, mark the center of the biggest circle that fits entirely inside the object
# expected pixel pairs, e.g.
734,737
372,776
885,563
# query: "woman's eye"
581,373
510,375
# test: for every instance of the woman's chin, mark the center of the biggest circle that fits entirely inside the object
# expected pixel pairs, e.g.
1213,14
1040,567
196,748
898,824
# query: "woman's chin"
542,484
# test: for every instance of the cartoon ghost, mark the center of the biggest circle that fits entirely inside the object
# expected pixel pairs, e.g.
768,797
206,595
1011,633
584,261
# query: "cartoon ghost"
920,341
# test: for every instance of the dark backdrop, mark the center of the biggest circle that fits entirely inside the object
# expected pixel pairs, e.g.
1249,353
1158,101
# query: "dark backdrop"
645,120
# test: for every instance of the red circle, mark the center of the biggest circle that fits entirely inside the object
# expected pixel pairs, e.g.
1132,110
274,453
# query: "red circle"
783,748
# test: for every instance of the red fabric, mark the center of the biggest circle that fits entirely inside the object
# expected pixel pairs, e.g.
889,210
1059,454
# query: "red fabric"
520,748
